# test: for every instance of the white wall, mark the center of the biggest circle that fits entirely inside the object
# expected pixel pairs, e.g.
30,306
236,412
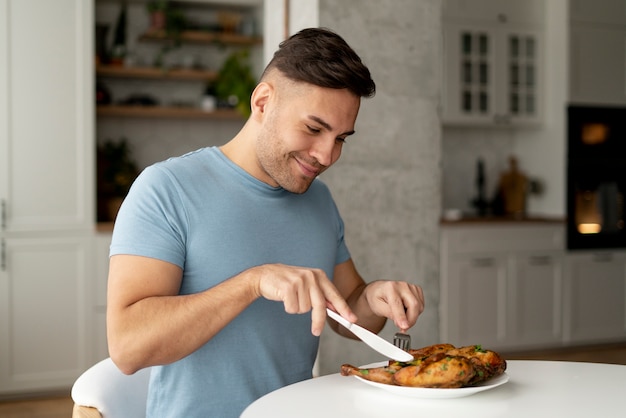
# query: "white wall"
387,184
302,14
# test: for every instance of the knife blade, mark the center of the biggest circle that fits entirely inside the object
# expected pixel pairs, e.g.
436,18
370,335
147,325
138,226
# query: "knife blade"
374,341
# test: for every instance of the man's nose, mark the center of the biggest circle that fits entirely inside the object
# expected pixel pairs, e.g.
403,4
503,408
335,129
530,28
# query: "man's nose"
322,150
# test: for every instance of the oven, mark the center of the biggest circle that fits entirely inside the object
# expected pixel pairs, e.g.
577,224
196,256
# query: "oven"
596,177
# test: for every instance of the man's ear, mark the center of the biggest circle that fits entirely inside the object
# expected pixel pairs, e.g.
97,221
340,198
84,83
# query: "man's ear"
260,98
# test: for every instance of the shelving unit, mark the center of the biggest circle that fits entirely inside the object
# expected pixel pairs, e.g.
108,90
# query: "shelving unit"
194,36
165,112
163,77
173,74
152,73
179,74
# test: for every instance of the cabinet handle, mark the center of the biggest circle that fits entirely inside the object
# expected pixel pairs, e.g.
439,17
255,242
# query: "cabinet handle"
540,260
603,257
3,215
502,119
483,262
3,256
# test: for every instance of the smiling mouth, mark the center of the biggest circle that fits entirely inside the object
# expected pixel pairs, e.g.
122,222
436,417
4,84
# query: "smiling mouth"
307,169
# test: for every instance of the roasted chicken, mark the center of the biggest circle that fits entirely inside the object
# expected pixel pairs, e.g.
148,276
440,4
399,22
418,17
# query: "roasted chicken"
487,363
436,366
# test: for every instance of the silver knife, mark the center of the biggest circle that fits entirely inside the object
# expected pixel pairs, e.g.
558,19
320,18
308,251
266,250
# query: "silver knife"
371,339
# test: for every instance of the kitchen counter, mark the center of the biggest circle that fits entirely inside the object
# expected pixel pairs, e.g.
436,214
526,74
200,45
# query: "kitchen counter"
469,220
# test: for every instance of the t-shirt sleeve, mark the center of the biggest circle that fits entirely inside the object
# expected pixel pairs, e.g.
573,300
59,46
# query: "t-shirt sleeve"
343,254
152,221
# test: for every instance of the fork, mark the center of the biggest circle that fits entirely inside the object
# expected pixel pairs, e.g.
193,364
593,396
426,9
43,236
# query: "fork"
402,341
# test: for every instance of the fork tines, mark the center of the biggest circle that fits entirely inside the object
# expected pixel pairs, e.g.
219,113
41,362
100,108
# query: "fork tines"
402,340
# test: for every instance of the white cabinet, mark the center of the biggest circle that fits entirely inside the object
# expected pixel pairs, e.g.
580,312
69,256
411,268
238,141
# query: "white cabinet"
46,191
47,127
42,325
601,12
513,287
534,297
598,52
501,284
98,298
474,300
595,298
493,58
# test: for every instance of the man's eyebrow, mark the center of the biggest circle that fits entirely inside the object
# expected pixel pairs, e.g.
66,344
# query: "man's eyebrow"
326,125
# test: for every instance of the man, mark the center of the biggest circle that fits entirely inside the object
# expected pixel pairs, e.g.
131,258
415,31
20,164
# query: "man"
218,254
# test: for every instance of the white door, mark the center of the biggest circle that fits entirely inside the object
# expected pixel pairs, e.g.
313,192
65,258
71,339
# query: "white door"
46,104
43,321
595,299
46,191
598,64
476,295
535,299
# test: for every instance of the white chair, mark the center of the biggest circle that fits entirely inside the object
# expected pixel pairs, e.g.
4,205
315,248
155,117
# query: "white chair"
103,391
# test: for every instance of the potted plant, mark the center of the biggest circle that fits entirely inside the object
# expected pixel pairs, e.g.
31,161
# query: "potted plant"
116,172
168,20
235,82
157,9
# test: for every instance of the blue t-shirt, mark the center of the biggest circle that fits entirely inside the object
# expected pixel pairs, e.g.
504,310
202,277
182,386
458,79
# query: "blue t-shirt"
205,214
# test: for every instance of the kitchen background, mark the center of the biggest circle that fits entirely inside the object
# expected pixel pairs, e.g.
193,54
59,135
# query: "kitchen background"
413,158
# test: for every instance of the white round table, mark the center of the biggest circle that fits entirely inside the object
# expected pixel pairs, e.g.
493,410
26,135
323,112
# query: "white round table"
535,388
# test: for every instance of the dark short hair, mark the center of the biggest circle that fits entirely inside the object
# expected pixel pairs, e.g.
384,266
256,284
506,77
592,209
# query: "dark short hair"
320,57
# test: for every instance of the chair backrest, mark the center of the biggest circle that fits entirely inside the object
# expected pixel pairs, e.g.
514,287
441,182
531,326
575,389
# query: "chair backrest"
114,394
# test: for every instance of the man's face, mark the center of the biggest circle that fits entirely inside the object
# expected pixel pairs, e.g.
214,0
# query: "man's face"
302,134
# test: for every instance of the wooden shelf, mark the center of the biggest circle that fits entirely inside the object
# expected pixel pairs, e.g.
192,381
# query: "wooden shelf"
166,112
194,36
154,73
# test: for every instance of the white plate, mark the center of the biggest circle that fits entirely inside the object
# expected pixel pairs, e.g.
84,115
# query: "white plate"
434,393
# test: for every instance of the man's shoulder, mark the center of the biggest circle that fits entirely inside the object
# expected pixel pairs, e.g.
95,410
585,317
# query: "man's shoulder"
192,157
187,163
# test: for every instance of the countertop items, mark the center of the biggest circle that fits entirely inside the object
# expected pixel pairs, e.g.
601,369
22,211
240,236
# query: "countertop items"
534,388
512,191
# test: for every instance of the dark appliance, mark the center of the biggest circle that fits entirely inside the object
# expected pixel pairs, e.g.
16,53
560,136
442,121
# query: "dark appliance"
596,177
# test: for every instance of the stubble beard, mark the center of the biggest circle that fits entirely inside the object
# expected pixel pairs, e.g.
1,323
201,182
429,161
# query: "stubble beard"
278,163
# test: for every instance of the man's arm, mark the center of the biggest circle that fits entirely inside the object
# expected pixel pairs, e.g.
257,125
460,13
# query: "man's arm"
149,323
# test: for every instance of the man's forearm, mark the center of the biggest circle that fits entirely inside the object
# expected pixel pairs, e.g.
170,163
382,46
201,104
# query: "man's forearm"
163,329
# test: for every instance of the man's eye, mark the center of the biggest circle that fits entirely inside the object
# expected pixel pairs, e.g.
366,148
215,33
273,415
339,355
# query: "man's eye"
313,129
341,140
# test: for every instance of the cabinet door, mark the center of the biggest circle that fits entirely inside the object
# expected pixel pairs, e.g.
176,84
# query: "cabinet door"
99,333
534,299
469,85
476,294
46,138
598,11
519,77
598,64
492,75
595,308
42,320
